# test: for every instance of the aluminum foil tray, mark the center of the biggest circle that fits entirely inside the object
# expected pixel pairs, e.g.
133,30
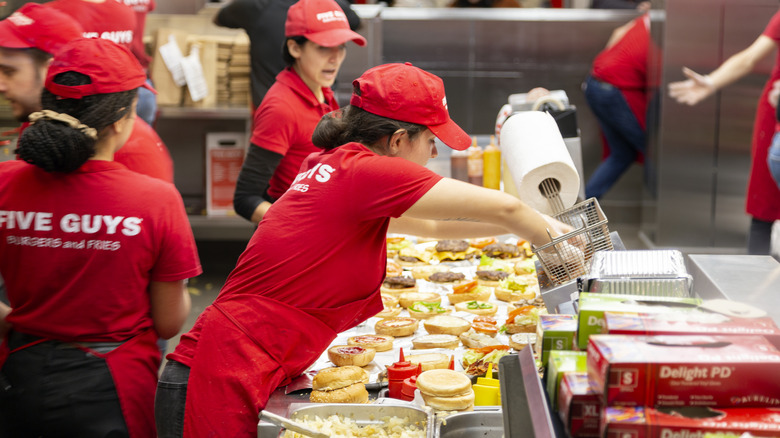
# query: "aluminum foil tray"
648,273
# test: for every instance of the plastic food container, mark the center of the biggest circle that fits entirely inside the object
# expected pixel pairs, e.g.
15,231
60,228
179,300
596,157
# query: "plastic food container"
647,273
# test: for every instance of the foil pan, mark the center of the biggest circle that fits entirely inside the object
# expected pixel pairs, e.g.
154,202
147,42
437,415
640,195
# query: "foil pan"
647,273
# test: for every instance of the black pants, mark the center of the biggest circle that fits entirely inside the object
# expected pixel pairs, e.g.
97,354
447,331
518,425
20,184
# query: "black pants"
759,237
58,391
170,399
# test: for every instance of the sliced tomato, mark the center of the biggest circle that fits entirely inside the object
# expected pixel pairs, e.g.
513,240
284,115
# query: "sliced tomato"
486,318
519,311
395,239
464,287
482,242
484,327
486,350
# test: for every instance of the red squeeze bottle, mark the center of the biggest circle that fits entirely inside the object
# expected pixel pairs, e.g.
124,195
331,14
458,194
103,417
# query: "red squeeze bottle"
410,384
397,373
452,363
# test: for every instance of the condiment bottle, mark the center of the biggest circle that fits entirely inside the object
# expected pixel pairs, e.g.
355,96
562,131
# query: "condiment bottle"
397,373
459,165
475,163
452,363
491,160
487,390
410,384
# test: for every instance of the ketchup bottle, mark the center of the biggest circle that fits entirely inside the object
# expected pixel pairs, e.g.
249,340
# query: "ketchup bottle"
410,384
397,373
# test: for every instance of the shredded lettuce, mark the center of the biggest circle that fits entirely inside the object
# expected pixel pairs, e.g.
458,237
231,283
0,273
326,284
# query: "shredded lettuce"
515,283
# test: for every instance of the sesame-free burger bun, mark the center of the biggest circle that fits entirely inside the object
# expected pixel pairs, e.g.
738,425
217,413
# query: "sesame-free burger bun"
477,307
343,355
430,361
396,327
377,342
355,393
435,341
453,403
446,325
329,379
443,383
406,299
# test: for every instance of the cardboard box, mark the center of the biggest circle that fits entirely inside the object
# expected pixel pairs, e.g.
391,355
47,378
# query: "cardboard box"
224,157
592,307
560,362
692,323
665,371
638,422
579,405
556,332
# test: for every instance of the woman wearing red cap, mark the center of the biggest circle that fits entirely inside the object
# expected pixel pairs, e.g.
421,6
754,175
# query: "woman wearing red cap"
315,263
317,32
95,272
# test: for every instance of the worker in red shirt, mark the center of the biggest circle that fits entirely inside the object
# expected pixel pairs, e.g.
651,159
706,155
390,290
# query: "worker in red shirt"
317,32
95,258
316,262
28,38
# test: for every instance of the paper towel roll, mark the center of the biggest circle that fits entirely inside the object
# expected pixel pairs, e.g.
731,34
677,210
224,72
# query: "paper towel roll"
534,150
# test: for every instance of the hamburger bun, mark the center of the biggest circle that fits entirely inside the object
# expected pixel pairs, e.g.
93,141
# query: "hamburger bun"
476,294
406,299
436,341
430,361
509,296
522,320
477,307
459,402
420,310
520,328
518,341
490,277
389,312
392,268
328,379
355,393
443,383
389,300
425,271
446,325
343,355
377,342
397,285
504,251
396,327
473,339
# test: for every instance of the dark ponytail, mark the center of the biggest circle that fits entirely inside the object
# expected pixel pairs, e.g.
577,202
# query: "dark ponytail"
354,124
55,145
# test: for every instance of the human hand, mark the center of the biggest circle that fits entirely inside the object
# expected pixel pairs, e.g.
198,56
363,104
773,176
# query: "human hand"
774,93
693,90
563,261
557,226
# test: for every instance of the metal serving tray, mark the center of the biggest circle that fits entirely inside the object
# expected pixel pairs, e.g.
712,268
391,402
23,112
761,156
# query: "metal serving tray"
479,423
645,272
369,413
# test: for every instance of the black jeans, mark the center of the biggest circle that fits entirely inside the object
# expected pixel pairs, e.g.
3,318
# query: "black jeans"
170,399
58,391
759,237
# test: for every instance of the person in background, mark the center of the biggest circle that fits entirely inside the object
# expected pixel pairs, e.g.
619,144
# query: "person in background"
147,100
616,92
262,20
28,38
317,32
368,179
763,195
95,258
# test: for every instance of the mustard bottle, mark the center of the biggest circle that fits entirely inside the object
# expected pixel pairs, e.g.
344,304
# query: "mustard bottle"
491,165
475,163
487,390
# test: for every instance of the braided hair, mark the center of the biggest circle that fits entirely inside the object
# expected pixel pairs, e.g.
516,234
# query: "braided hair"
56,146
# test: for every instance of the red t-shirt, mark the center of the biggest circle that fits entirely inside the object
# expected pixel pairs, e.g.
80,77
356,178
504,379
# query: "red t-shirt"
321,246
144,152
141,8
78,250
284,123
763,196
110,20
624,65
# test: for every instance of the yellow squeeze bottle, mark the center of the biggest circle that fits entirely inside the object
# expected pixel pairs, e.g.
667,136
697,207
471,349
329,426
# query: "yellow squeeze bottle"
491,159
487,390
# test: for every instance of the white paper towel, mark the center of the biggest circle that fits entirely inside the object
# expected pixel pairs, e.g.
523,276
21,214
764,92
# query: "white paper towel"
534,150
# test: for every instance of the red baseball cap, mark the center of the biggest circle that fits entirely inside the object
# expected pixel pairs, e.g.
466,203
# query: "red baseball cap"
322,22
409,94
111,67
38,26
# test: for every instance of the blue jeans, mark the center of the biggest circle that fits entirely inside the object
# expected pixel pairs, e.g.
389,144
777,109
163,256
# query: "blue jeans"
625,136
147,104
773,158
170,399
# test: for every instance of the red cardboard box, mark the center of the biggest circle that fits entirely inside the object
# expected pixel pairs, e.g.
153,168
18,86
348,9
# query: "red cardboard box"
637,422
658,371
690,323
579,405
